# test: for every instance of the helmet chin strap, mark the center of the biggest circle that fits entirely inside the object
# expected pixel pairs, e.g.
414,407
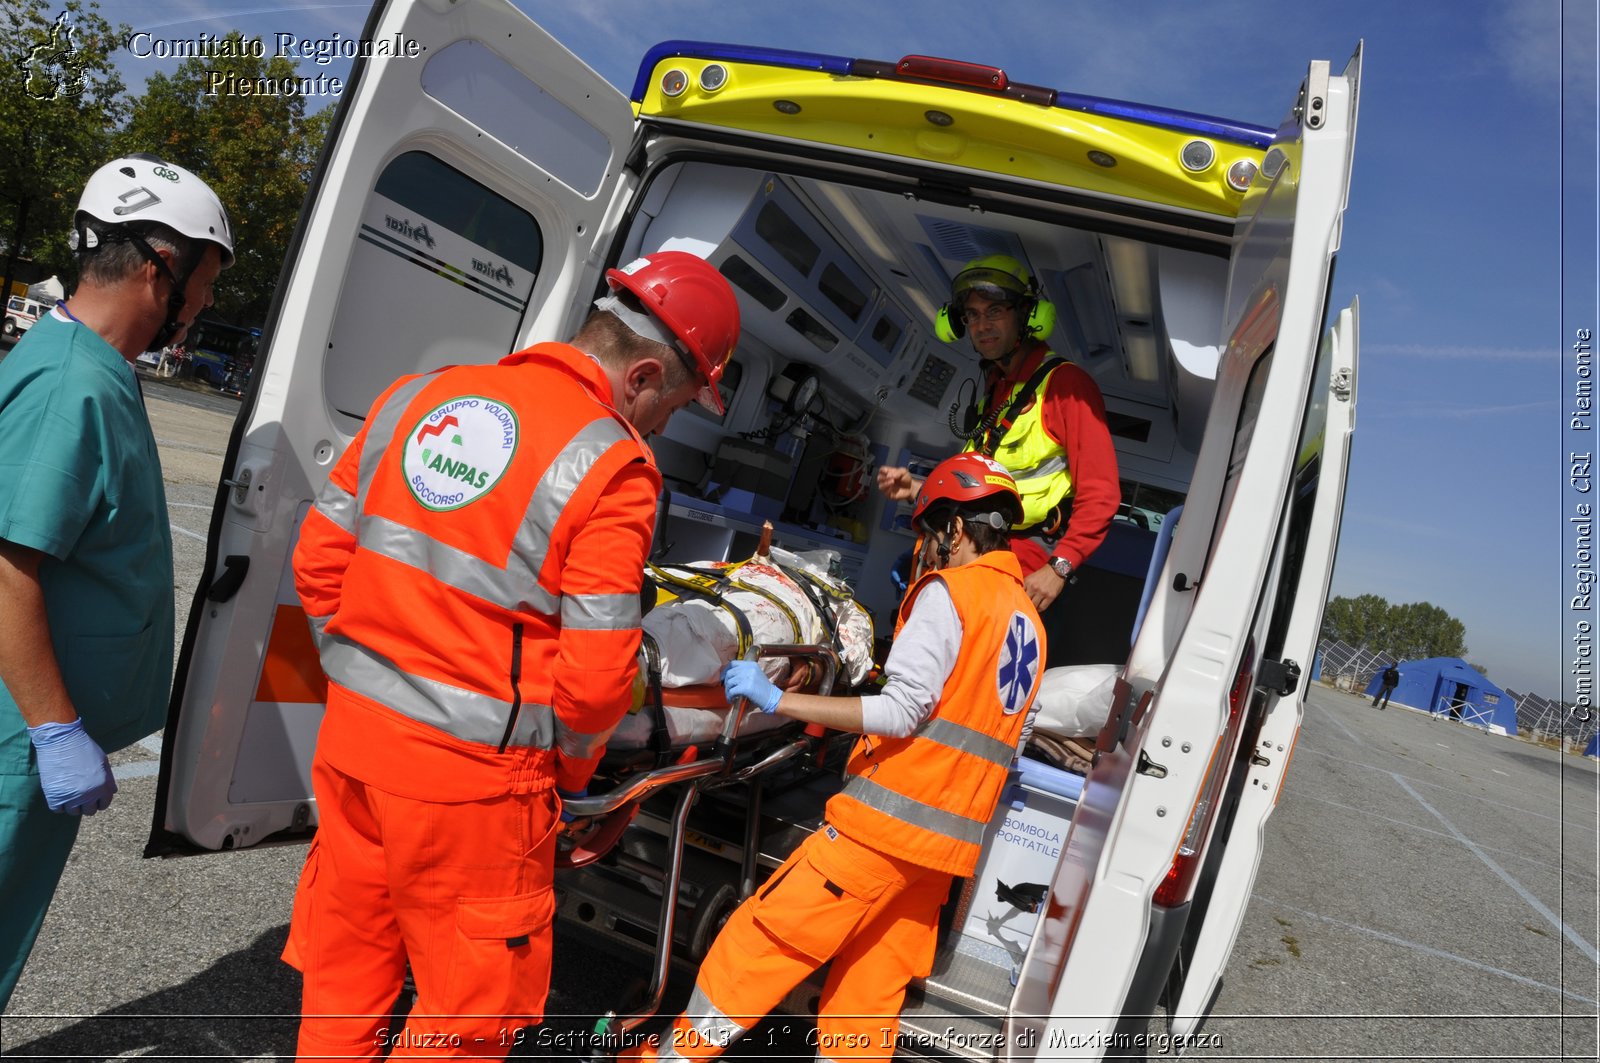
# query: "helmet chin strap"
1004,361
941,545
170,327
175,300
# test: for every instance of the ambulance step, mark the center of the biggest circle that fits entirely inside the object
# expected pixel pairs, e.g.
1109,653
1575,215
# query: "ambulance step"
970,977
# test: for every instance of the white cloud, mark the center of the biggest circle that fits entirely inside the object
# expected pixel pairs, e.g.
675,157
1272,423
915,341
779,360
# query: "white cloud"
180,18
1526,39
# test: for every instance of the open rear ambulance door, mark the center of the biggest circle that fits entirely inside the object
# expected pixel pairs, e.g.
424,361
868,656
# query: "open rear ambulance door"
1120,900
459,212
1319,498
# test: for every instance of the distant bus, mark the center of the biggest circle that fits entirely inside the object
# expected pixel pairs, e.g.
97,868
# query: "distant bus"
219,351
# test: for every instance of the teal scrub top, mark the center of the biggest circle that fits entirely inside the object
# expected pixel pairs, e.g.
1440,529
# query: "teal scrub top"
80,481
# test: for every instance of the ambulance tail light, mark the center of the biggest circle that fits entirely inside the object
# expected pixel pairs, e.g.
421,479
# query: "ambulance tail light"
952,72
1178,886
930,70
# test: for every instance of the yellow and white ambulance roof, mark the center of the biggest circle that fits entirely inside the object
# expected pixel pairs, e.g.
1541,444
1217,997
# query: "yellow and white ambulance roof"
960,115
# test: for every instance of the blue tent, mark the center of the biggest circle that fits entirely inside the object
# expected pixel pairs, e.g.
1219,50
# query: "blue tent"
1593,748
1449,686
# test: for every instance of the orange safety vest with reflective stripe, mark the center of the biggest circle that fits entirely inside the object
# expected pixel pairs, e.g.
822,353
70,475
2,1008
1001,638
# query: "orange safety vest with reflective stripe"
433,571
928,797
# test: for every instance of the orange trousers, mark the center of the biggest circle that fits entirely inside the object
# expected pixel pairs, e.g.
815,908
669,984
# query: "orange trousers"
874,916
461,891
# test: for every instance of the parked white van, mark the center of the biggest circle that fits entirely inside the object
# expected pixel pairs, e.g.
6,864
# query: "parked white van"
468,205
21,314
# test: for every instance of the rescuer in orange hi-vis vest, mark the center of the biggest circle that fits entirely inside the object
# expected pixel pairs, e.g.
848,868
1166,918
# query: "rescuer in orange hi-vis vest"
472,576
865,890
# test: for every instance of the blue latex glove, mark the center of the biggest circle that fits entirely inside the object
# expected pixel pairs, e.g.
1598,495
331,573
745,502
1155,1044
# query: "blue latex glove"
568,795
72,768
745,679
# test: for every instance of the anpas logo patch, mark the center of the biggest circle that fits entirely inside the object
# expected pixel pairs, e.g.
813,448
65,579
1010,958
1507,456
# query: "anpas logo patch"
458,452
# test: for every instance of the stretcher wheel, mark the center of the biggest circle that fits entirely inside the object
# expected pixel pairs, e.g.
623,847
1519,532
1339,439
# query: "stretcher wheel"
709,917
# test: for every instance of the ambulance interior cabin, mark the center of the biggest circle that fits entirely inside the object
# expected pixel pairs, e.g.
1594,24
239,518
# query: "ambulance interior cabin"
839,369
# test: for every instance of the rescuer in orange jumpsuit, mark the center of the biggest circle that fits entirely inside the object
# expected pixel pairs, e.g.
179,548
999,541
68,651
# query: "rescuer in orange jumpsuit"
922,783
471,573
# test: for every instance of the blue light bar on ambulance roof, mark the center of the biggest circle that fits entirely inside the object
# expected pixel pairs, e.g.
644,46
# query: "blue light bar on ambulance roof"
1186,121
925,70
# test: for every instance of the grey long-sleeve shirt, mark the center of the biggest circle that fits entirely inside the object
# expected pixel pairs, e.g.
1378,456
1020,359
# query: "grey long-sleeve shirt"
919,664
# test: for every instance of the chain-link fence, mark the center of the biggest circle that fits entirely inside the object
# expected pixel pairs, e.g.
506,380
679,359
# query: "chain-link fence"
1351,667
1540,719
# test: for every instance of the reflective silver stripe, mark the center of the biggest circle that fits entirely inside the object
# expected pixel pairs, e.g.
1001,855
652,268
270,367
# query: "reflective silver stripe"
956,736
903,808
466,715
708,1023
319,637
338,505
1048,467
558,484
580,746
512,588
600,612
380,432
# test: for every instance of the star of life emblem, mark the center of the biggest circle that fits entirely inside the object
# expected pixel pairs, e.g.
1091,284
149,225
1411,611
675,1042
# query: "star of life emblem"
1019,664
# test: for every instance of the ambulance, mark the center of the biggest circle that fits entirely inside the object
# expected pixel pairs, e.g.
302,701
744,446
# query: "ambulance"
471,195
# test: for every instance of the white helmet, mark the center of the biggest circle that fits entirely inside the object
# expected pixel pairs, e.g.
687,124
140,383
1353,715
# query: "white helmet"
140,188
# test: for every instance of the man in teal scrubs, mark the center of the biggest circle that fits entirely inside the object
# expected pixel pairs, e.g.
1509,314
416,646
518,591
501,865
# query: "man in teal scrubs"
86,611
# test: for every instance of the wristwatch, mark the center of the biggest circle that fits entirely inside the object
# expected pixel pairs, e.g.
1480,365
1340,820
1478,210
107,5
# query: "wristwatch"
1062,567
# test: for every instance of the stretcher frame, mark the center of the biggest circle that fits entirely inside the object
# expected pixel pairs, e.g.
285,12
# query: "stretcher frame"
715,770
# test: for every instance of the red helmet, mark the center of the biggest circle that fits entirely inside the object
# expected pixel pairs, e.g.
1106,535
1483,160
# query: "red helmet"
695,302
972,482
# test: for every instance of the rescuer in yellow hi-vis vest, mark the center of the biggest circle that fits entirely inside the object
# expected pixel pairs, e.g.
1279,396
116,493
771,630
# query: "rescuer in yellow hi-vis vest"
921,785
1040,417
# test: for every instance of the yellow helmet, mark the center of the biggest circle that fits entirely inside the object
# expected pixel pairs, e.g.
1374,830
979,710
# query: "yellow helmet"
1003,279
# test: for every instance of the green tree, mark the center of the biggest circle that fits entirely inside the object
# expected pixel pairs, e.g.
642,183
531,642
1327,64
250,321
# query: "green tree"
258,150
1421,629
1406,632
1358,621
60,101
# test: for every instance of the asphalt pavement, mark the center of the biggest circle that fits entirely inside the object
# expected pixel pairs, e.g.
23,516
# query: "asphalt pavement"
1427,890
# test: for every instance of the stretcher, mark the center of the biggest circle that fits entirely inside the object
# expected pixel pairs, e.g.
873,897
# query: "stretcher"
710,613
686,742
755,784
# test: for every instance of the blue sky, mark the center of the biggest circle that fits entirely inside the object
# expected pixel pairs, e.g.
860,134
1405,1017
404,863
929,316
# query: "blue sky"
1471,155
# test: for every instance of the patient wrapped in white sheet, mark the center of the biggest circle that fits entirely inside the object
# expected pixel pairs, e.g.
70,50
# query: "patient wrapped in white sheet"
1074,700
696,637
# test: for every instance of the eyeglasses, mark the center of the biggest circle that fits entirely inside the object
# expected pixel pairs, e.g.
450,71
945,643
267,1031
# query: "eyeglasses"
994,313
